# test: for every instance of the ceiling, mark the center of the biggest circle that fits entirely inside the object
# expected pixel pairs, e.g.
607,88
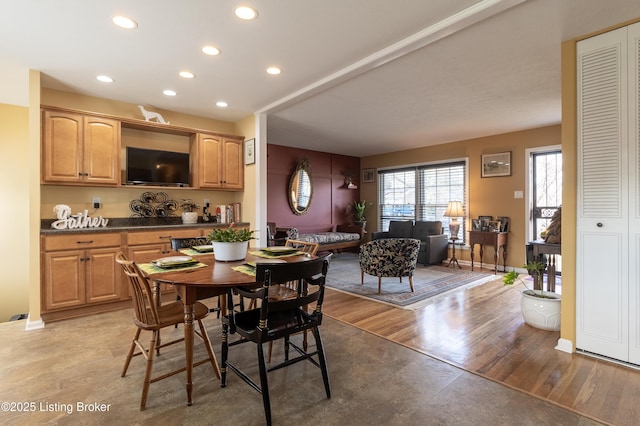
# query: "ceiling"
360,77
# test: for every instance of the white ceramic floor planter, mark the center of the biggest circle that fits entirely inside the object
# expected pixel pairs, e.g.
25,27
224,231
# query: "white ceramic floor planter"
228,252
543,313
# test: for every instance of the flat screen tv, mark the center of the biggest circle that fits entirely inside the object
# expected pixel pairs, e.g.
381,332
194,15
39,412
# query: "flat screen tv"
154,167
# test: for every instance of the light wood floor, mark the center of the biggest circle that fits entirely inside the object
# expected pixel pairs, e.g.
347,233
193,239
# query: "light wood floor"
481,330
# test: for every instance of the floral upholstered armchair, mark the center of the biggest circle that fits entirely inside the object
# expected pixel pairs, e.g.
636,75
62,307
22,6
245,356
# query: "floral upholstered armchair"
396,257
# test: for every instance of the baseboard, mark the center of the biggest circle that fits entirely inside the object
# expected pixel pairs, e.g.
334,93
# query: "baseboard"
565,345
34,325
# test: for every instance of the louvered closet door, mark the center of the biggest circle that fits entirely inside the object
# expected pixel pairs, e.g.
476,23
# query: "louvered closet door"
602,287
634,193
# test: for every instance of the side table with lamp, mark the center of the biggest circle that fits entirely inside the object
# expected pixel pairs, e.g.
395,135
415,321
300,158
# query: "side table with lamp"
454,211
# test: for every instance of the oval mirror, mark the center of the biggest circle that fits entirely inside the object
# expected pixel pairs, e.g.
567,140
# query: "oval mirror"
301,188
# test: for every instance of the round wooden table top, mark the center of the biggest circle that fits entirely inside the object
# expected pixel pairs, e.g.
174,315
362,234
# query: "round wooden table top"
217,273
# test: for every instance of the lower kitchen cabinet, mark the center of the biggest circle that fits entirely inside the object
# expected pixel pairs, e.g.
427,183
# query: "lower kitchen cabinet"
80,269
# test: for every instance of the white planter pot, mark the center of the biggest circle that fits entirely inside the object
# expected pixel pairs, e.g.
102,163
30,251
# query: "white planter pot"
227,252
189,217
543,313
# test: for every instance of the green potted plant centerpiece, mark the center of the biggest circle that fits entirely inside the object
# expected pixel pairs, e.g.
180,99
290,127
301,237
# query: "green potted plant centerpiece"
358,208
540,308
230,243
189,213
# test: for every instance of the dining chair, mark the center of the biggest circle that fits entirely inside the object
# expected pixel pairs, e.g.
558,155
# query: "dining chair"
289,289
271,234
391,257
151,315
303,246
182,243
277,319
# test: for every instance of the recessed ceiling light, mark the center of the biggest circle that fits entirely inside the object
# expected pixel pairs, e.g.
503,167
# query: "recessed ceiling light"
105,79
186,74
222,104
246,13
274,70
124,22
169,92
211,50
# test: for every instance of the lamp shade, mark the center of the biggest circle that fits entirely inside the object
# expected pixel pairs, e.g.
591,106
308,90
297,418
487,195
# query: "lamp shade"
454,209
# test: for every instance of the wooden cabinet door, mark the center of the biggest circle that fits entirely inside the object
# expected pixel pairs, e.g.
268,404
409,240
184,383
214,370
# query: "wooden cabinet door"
101,159
103,276
80,149
233,166
62,147
210,166
64,284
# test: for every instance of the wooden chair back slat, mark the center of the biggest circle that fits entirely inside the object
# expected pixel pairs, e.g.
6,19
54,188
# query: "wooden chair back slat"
303,246
144,308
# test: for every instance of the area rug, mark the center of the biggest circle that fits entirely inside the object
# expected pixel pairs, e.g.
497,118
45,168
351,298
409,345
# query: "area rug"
428,282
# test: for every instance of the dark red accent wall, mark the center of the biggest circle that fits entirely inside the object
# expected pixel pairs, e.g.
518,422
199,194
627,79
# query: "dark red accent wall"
330,202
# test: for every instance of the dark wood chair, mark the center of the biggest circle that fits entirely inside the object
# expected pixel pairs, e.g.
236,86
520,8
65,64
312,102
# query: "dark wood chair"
277,319
151,315
182,243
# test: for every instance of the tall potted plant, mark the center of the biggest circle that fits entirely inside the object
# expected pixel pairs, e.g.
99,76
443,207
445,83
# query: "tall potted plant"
230,243
358,208
540,308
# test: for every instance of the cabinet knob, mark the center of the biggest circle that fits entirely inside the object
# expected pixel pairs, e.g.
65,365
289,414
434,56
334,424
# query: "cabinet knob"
84,242
599,225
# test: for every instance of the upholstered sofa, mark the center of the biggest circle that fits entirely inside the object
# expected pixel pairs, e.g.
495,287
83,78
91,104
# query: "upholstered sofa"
433,242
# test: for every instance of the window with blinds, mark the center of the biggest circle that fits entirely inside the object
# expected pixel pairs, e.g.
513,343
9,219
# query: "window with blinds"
422,193
439,184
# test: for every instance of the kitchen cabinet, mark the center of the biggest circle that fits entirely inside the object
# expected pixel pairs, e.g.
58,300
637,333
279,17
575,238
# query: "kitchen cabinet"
80,149
80,269
219,162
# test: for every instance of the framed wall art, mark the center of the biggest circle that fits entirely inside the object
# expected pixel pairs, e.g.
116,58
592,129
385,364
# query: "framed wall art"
368,175
494,165
249,151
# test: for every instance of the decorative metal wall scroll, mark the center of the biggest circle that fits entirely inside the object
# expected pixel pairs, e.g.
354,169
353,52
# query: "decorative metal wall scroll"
153,205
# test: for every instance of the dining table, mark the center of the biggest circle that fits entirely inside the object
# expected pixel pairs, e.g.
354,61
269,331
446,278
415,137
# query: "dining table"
209,278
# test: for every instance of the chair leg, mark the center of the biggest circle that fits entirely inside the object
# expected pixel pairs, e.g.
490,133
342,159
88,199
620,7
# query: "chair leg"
286,348
362,277
207,345
323,361
147,373
130,354
264,384
411,282
225,354
379,284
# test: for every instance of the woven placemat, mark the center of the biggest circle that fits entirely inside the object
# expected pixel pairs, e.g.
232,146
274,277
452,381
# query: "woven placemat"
150,268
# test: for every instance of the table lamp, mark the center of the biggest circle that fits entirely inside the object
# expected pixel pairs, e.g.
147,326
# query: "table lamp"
454,211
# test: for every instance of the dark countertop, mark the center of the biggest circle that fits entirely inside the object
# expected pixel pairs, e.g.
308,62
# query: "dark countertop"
134,224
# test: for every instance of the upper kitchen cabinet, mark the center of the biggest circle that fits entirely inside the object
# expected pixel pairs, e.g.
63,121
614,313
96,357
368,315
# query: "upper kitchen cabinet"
218,162
80,149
